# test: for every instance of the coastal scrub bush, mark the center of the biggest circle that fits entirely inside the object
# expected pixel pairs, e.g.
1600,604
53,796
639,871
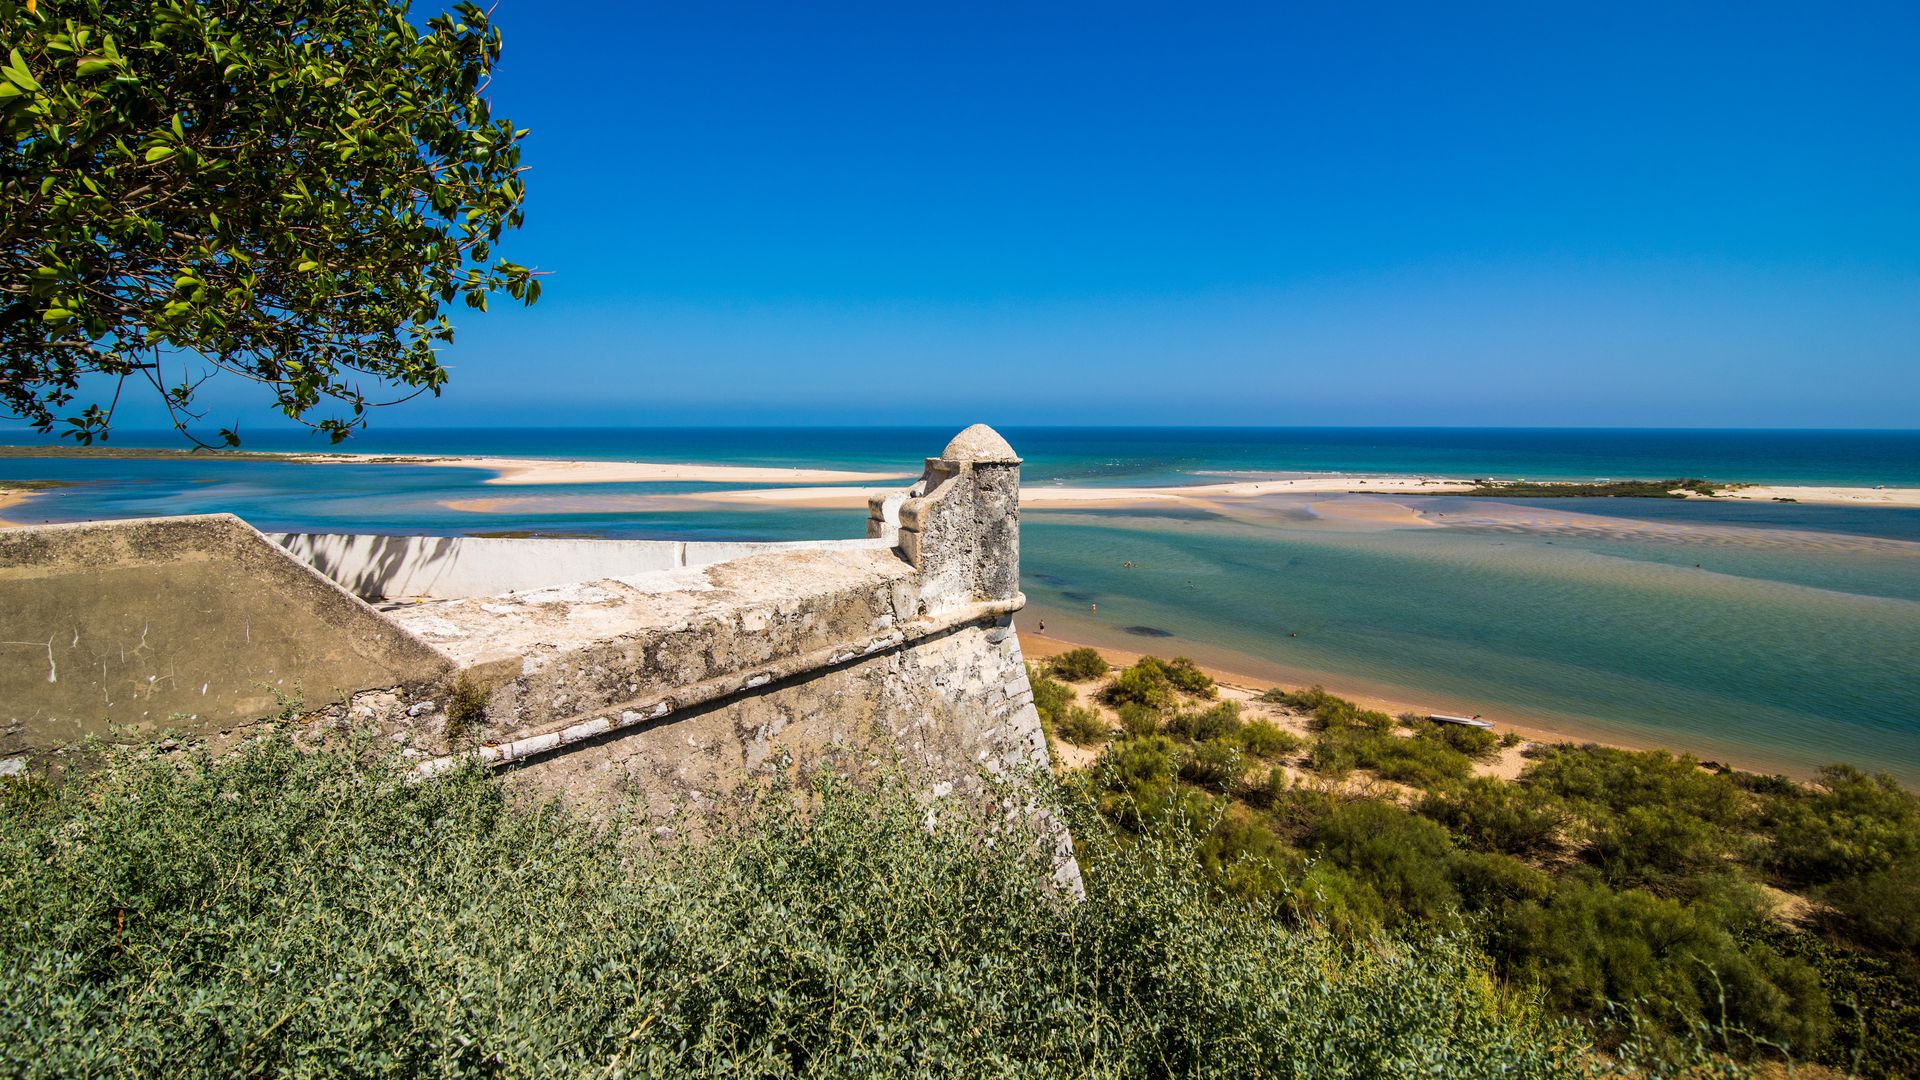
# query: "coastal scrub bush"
1654,848
1477,743
280,911
1406,860
1853,824
1081,726
1216,764
1050,699
1216,722
1604,779
1136,771
1325,711
1876,1014
1880,909
1495,816
1079,665
1591,949
1138,719
1142,684
1187,677
1265,739
1422,763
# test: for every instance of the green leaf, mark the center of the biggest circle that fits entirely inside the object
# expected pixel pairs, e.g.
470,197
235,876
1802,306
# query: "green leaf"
157,153
17,72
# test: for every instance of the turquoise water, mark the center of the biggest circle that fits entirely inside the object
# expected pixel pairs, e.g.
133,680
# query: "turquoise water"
1773,648
1773,635
1187,455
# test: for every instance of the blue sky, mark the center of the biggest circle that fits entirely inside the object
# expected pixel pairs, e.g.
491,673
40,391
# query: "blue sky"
1582,214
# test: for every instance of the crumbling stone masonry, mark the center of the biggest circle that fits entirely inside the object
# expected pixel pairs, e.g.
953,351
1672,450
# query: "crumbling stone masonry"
613,672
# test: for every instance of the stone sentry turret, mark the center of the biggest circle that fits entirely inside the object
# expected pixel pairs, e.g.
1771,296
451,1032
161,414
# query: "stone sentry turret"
960,526
613,672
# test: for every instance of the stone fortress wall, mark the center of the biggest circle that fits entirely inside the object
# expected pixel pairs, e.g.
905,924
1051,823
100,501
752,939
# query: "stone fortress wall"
613,672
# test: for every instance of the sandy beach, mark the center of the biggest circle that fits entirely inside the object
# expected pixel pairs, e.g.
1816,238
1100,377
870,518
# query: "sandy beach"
11,498
1105,497
1832,496
1038,646
514,471
1093,498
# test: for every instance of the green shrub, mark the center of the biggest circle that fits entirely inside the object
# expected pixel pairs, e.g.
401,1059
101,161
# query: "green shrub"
1306,701
1406,860
1590,949
281,912
1340,902
1854,825
1265,739
1495,816
1654,848
1880,909
1332,757
1216,765
1138,719
1269,790
1142,685
1187,677
1606,779
1217,722
1477,743
1081,726
1876,1014
1050,699
1423,763
1328,712
1079,665
1138,768
1489,880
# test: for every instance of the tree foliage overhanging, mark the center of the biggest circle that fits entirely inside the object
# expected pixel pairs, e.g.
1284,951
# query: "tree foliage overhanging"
289,193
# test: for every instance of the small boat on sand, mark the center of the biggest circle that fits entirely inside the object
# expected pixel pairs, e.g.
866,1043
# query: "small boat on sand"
1467,721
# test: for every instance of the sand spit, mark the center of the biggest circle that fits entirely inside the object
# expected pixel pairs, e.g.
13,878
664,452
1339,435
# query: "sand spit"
556,471
1104,497
1831,496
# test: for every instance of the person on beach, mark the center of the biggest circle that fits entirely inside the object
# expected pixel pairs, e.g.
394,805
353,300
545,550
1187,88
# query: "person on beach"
1043,626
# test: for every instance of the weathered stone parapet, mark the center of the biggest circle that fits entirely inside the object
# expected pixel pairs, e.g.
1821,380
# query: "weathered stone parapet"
192,624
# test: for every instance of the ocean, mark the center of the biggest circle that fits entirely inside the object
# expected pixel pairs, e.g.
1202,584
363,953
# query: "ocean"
1778,636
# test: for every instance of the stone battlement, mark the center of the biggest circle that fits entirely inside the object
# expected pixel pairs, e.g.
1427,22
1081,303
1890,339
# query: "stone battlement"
602,670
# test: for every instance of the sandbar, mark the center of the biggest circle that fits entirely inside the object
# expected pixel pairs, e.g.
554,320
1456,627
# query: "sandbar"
513,471
1832,496
1105,497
